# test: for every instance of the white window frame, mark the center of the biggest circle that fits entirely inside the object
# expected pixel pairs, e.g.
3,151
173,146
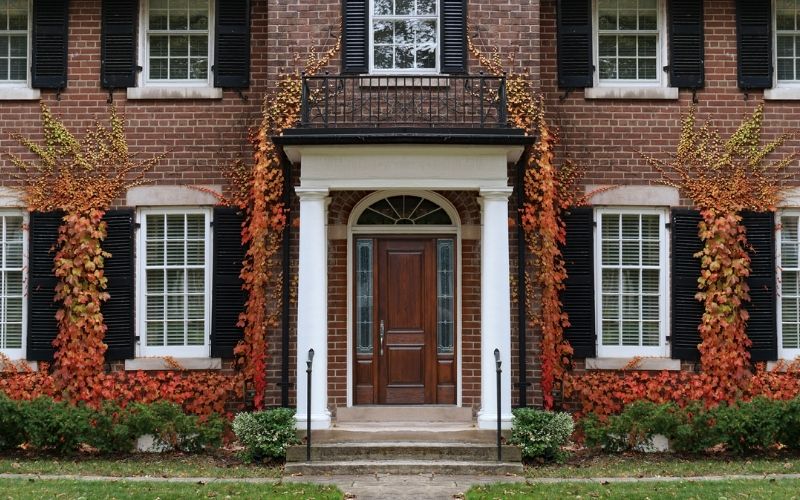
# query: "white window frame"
143,350
662,53
19,354
143,79
19,84
662,350
410,71
788,354
788,84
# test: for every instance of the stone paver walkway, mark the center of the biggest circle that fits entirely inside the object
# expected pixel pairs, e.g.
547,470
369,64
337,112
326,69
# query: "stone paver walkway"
380,486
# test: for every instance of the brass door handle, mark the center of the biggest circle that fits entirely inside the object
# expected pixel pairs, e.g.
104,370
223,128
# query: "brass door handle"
381,332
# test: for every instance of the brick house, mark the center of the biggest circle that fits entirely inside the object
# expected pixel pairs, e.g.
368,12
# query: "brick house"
404,183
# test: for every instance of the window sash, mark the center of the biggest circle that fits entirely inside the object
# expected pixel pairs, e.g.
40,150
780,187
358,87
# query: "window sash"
14,349
782,32
147,59
788,265
658,32
6,58
403,17
183,298
618,293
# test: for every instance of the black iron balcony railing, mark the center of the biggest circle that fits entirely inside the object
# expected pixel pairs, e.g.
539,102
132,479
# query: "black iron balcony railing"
427,102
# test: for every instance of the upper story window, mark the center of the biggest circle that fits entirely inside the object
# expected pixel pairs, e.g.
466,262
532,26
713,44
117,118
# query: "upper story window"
629,41
175,282
630,284
177,41
14,32
11,285
787,40
404,36
789,286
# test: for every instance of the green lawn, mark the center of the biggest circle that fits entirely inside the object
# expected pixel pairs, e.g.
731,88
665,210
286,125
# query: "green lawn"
37,489
138,465
739,489
650,464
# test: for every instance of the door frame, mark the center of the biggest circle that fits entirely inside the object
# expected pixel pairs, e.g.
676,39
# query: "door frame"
431,231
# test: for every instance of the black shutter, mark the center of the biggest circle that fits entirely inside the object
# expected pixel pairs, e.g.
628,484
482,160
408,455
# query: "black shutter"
355,41
232,44
575,67
686,52
578,294
454,36
227,297
118,43
762,325
49,44
686,310
118,309
42,308
754,44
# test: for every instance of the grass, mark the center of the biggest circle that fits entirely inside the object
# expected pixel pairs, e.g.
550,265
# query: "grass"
761,488
170,465
653,464
62,489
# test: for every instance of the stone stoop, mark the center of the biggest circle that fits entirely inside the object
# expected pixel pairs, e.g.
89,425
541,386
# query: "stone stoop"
403,440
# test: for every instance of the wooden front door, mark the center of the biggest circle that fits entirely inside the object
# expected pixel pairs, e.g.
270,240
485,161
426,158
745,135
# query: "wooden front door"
408,363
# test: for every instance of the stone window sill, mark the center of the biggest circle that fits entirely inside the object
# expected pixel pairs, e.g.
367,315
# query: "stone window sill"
19,94
662,93
150,364
649,364
19,365
174,93
784,365
782,94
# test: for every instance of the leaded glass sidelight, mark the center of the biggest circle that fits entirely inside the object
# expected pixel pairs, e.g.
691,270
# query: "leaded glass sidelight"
445,325
364,295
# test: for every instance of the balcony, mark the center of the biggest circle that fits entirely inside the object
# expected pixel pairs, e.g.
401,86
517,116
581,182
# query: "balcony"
464,109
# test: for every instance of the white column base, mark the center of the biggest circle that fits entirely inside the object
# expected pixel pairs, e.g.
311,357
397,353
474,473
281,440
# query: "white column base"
488,420
319,421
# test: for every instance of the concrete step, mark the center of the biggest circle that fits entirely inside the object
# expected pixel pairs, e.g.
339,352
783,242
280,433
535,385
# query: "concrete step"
404,432
384,414
378,451
403,467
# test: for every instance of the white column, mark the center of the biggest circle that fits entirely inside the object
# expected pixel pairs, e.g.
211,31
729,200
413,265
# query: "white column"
312,307
495,307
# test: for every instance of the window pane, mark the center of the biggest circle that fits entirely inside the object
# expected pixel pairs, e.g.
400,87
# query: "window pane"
382,7
426,7
364,313
444,283
610,333
610,307
791,336
158,19
789,283
155,333
610,281
404,7
607,19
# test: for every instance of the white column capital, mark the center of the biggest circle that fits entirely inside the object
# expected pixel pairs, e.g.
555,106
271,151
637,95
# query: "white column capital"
498,194
311,194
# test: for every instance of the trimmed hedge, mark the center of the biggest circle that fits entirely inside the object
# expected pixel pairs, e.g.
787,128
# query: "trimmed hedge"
265,434
539,433
45,424
741,427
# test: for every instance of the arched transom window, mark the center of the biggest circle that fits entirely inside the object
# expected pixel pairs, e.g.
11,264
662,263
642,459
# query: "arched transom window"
404,210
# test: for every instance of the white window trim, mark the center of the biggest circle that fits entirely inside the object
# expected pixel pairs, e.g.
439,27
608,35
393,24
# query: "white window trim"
632,351
172,89
781,90
788,354
19,90
142,350
633,89
19,354
411,71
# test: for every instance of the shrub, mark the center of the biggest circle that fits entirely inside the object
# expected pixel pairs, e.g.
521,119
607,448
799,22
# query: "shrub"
789,431
172,428
748,426
694,430
633,429
57,426
111,429
540,434
266,434
11,420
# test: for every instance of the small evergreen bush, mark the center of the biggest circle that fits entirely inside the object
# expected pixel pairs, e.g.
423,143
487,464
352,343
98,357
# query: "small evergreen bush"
748,426
11,434
789,430
171,428
539,433
265,434
55,425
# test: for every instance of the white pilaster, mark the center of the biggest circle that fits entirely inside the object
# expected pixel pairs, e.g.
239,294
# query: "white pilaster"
495,307
312,307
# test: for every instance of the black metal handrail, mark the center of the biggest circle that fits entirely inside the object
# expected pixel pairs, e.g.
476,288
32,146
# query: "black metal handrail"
388,101
308,404
498,366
